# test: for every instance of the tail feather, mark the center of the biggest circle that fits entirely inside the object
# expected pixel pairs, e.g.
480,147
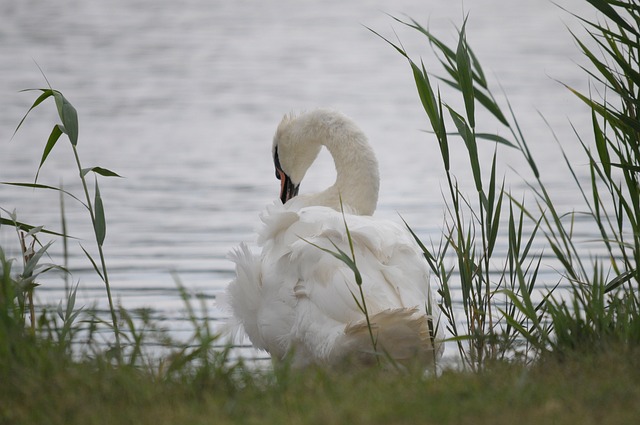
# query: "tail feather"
244,293
403,334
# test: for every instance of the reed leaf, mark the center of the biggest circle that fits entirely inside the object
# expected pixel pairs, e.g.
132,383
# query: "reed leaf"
27,227
601,146
493,224
620,280
427,254
465,76
56,132
34,259
93,263
38,101
495,138
100,224
605,7
68,115
342,256
472,147
47,187
99,170
616,119
443,142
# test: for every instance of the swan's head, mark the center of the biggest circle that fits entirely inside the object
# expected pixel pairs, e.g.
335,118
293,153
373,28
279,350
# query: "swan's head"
295,147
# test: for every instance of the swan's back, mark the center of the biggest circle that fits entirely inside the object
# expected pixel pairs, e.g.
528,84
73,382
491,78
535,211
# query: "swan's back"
296,298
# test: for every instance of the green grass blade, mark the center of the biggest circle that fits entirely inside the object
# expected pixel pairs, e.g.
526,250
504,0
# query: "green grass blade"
491,106
42,186
465,75
443,142
601,146
621,121
46,93
99,170
475,63
495,222
472,148
100,225
604,6
423,85
427,254
93,263
30,266
627,167
27,227
620,280
68,115
495,138
427,98
56,132
449,53
485,100
340,255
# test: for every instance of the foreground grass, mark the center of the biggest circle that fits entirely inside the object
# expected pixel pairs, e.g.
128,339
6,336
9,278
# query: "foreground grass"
583,389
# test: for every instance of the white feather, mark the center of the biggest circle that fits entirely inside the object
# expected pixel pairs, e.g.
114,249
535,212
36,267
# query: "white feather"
297,300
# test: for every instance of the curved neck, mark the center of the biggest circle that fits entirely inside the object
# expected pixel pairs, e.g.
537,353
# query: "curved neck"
357,179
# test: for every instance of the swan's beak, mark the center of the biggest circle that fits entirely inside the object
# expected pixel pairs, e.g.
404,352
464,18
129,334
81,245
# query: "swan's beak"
287,189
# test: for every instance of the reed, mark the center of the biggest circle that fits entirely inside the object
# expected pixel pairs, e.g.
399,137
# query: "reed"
603,305
69,126
603,292
474,223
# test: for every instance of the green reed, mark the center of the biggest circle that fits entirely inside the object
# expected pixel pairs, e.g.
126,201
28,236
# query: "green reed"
93,204
601,309
517,324
603,306
474,224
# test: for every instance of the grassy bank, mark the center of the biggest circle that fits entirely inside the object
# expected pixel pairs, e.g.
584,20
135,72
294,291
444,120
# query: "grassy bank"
569,358
586,390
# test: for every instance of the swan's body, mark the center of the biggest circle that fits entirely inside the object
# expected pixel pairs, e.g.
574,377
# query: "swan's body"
295,298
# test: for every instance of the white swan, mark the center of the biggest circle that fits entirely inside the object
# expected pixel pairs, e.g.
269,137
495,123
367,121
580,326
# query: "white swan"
300,301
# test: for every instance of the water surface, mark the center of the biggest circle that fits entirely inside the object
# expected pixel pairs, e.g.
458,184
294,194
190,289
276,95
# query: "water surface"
182,99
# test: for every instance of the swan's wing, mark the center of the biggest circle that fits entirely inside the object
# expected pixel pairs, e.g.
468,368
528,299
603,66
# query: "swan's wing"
297,295
394,273
327,297
264,312
244,294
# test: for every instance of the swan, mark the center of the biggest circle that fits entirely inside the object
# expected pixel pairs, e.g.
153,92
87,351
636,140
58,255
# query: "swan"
296,300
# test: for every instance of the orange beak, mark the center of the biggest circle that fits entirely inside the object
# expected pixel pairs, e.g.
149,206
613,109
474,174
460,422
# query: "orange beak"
287,189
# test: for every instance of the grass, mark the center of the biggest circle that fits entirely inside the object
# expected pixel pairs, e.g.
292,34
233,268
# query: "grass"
596,390
569,357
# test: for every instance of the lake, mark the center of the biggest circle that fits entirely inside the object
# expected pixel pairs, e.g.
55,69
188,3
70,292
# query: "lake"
182,99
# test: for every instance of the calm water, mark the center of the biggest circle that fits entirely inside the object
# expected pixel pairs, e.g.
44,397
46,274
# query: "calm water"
182,98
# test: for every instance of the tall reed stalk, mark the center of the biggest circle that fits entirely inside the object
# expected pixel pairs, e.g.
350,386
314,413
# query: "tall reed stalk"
603,308
517,324
473,226
69,126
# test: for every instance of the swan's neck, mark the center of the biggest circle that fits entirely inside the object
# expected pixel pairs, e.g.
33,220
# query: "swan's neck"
357,178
